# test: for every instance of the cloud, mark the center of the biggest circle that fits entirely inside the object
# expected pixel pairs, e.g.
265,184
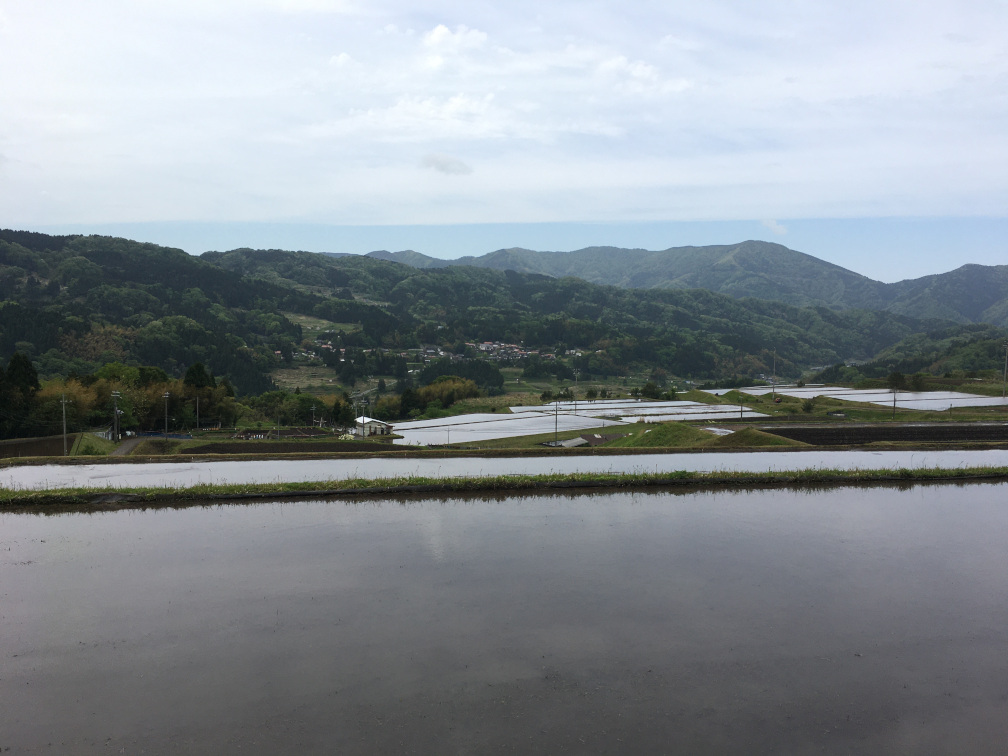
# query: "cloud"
291,108
446,164
463,38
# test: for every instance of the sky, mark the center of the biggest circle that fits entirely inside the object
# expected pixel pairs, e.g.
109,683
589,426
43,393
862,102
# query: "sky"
871,134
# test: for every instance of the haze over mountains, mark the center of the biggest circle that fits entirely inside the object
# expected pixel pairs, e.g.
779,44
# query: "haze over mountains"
968,294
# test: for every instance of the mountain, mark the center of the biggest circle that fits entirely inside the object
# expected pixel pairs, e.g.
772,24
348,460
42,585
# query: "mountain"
971,294
685,331
411,258
74,303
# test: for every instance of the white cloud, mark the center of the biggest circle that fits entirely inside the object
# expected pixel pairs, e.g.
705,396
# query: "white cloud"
291,108
775,227
446,164
463,38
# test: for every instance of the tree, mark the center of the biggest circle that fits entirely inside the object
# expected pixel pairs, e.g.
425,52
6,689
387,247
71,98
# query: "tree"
197,377
650,391
21,375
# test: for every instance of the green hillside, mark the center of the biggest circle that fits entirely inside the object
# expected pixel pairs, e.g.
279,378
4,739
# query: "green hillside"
970,294
74,303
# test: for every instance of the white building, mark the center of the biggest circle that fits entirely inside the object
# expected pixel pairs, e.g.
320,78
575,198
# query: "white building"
368,426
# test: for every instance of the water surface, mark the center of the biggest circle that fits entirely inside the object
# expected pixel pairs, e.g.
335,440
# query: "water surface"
179,474
845,620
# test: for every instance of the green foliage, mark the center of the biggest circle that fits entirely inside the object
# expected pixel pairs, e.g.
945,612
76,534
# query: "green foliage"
483,374
18,388
757,269
749,438
77,303
197,377
670,435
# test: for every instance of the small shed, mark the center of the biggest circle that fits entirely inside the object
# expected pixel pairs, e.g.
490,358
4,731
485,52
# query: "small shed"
368,426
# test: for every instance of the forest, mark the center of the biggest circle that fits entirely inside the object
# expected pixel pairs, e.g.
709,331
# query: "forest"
76,309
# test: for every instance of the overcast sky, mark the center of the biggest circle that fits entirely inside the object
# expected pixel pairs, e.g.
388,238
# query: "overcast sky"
667,122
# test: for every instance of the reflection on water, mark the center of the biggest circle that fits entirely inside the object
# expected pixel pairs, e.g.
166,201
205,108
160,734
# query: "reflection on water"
180,474
868,619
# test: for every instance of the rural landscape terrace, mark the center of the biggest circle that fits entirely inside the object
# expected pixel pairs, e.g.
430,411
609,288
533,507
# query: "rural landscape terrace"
136,349
468,378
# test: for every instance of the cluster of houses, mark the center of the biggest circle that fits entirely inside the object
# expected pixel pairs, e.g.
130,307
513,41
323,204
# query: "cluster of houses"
364,427
490,350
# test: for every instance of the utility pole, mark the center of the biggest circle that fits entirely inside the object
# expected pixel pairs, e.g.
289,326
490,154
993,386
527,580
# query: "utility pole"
313,415
773,385
115,416
63,402
165,397
576,374
556,422
197,411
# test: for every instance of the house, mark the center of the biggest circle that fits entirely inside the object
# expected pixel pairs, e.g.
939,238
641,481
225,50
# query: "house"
368,426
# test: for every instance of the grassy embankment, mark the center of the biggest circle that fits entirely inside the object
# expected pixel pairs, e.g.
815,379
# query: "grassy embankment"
95,499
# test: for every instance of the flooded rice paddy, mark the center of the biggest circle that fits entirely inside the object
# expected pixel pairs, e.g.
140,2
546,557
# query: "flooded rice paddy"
181,474
870,620
559,417
915,400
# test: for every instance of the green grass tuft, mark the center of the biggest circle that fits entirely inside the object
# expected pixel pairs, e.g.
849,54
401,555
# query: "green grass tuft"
748,438
662,435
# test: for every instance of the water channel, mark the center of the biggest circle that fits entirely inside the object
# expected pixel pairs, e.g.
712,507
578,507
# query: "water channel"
868,619
178,474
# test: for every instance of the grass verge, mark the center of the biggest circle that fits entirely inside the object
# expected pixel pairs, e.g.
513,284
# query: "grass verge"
98,499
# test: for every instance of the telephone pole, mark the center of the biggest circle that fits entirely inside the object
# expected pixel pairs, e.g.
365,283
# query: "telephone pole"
63,401
165,397
115,416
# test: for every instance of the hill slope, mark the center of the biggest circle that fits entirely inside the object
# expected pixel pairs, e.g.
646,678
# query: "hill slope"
73,303
971,294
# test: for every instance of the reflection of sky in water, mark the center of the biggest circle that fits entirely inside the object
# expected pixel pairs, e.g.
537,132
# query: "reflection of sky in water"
473,428
676,619
921,400
168,475
559,416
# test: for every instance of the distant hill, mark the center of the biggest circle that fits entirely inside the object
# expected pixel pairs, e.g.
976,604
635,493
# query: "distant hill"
971,294
413,259
74,303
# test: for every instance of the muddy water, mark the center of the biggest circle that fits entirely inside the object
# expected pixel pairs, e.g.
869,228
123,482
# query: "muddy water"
844,620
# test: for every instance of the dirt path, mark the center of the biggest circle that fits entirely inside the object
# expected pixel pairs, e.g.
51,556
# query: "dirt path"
125,447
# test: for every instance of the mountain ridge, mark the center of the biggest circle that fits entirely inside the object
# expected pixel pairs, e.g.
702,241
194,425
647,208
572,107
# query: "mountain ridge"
764,270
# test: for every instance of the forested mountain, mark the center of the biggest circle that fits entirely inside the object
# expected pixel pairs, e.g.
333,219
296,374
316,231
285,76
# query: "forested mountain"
74,303
971,294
